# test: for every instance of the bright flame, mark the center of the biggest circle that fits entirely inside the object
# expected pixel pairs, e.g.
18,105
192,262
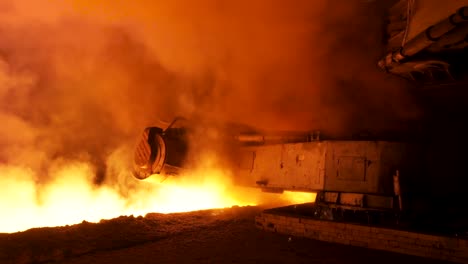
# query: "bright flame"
172,197
72,198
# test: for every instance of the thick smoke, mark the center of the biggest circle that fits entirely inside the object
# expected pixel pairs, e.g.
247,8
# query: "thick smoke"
279,65
79,80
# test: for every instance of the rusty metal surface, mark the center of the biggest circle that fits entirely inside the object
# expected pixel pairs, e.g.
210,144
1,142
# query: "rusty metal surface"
160,152
142,151
150,154
380,202
345,166
298,166
434,32
331,197
352,199
429,12
354,166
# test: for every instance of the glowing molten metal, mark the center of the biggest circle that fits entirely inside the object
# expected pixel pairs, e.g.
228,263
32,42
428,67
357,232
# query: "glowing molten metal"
72,197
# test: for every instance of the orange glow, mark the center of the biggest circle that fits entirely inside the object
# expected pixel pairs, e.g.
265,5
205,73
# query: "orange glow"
79,79
72,198
299,197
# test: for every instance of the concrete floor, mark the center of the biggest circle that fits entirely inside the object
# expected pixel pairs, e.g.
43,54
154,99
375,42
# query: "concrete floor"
213,236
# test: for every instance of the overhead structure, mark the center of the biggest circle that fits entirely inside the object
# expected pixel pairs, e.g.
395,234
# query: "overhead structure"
427,41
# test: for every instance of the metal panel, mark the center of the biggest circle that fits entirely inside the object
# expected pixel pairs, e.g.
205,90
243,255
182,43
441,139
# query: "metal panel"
267,167
303,165
353,166
295,166
335,166
353,199
364,166
382,202
331,197
246,160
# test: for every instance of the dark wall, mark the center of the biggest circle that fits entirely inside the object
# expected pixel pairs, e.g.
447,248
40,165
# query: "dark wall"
445,135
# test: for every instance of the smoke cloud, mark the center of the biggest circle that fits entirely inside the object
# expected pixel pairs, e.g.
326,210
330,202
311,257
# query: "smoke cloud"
81,79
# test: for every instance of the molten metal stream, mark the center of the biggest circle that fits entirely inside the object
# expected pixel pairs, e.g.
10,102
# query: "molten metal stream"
72,198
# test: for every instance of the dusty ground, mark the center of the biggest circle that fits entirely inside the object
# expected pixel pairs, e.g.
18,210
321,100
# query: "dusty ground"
211,236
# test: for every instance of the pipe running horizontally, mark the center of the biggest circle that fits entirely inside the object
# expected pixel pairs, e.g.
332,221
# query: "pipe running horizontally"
425,39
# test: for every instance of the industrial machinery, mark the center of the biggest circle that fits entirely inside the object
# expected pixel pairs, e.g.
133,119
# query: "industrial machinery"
426,43
347,174
160,151
364,175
